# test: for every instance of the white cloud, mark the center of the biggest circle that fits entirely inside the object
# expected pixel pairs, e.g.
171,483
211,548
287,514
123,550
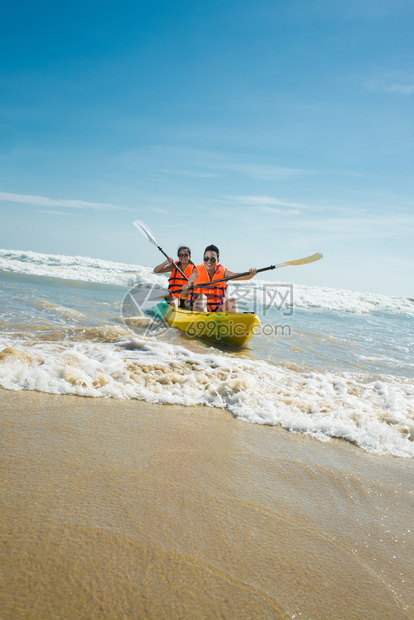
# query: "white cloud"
266,172
269,202
401,89
51,212
369,226
277,211
255,171
398,82
41,201
198,174
210,164
341,10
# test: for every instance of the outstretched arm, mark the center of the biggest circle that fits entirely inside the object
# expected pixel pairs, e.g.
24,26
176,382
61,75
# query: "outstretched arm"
251,275
164,267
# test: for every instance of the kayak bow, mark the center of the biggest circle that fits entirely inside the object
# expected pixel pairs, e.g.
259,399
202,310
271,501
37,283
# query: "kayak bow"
222,327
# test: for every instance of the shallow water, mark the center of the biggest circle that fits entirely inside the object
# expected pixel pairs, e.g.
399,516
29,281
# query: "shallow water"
329,362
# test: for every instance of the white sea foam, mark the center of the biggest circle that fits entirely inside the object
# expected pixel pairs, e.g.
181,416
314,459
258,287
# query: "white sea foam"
84,269
76,268
342,300
63,342
375,413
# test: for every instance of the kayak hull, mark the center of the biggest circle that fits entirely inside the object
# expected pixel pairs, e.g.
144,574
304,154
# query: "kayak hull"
231,328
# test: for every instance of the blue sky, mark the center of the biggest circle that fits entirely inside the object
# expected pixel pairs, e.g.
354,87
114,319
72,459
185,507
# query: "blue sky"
274,129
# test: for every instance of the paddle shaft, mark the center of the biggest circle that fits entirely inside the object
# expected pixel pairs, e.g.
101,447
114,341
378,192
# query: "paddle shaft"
299,261
237,275
145,231
176,266
148,298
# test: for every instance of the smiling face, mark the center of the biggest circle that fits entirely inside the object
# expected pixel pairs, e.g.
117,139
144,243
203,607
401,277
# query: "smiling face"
184,256
210,261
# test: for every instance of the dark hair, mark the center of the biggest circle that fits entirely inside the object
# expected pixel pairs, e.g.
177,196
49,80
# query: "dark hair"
212,248
184,247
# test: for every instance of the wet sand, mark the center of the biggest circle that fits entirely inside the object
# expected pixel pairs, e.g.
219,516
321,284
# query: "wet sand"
122,509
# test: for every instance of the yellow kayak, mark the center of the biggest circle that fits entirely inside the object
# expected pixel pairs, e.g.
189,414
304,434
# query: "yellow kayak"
221,327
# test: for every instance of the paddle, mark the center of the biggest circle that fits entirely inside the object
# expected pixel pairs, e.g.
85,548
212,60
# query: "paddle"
145,231
298,261
144,298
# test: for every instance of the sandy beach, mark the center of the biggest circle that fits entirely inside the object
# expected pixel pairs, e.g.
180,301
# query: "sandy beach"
123,509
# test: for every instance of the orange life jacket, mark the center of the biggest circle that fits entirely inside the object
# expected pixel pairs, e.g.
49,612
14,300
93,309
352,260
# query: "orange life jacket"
176,280
215,294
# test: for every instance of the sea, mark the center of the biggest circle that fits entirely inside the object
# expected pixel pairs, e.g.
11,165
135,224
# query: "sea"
326,362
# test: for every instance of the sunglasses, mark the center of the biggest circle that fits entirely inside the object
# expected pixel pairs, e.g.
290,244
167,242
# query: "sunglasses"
207,259
183,255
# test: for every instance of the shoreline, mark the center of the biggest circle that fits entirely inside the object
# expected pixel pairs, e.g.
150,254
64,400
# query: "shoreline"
127,509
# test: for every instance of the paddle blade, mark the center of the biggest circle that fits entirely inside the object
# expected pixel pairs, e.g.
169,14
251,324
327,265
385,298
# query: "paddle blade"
142,298
302,261
144,230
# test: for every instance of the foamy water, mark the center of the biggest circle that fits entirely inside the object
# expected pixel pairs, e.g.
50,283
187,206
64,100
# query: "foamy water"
99,271
344,371
76,268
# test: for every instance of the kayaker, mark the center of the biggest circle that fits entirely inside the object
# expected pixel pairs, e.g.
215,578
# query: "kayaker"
176,281
212,298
